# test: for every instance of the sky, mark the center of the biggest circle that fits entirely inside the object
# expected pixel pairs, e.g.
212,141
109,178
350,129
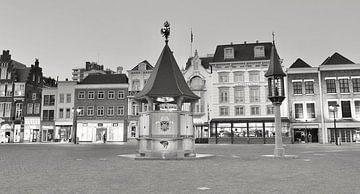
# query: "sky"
64,34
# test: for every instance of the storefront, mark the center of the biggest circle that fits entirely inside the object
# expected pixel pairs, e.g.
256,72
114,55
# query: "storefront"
247,131
344,135
48,133
306,132
201,130
31,129
106,132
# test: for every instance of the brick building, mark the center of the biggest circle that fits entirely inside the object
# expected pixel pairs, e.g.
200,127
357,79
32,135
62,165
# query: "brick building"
102,104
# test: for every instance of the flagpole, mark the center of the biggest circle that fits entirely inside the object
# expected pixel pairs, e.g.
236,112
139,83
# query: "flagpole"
191,42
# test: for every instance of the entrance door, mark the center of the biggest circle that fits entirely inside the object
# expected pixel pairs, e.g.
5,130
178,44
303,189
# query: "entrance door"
36,135
44,136
101,135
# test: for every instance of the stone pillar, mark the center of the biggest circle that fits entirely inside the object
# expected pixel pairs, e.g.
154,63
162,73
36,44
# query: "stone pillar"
279,150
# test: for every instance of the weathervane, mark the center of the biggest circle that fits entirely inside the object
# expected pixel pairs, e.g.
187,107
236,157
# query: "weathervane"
273,35
165,31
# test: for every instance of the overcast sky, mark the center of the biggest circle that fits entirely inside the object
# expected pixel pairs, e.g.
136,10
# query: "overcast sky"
64,34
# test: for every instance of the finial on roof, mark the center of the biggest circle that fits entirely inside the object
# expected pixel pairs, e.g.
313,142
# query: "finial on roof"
165,31
273,35
196,53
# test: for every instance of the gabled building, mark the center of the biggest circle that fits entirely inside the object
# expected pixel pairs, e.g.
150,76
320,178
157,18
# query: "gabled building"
304,103
101,102
138,77
48,110
197,74
241,111
340,86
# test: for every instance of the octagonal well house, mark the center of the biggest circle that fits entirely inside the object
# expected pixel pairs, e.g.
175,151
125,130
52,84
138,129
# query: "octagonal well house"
166,130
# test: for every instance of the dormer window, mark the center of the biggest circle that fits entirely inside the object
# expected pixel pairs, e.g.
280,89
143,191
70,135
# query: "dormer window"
229,53
259,51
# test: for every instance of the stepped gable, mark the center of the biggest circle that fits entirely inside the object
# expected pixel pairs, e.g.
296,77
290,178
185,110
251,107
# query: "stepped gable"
166,80
299,63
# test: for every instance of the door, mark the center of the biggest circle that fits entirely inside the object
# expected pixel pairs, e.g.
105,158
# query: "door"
101,135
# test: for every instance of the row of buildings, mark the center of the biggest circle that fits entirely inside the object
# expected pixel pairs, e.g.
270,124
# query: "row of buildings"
233,105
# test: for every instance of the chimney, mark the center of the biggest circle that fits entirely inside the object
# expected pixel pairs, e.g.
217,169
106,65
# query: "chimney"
119,70
6,55
244,42
257,41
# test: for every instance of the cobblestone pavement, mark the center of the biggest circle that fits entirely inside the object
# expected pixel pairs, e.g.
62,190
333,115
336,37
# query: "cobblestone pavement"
97,168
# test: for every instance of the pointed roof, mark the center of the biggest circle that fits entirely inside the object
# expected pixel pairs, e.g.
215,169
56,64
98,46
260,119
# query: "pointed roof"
299,63
148,66
336,59
166,80
274,66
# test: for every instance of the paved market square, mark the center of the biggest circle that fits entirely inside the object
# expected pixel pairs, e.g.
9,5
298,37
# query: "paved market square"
98,168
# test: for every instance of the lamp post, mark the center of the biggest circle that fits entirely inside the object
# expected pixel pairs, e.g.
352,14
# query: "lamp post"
74,133
334,110
276,95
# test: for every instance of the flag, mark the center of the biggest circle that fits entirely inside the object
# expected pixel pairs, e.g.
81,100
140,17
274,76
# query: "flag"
191,37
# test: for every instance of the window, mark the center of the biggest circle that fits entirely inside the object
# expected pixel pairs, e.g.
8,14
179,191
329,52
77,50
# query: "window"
297,86
48,115
238,77
67,114
255,110
81,95
229,53
101,94
259,51
61,113
110,111
120,110
37,108
90,111
224,111
330,86
254,76
121,94
136,85
254,94
81,112
62,98
356,84
345,109
309,87
18,110
68,98
30,108
7,109
100,111
135,108
49,100
223,95
196,83
91,94
310,110
299,112
239,94
33,96
239,110
344,85
223,77
331,113
111,95
270,109
357,108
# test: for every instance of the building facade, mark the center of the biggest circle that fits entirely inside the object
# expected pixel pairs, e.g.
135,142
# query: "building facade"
101,105
197,74
305,110
48,110
137,80
240,111
80,74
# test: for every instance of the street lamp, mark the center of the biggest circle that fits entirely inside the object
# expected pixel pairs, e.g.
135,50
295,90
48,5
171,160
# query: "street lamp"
276,95
333,109
74,133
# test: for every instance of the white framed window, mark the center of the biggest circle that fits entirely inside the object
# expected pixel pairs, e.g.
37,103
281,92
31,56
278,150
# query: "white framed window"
68,98
299,110
238,76
91,94
18,110
30,108
310,110
254,94
239,110
121,94
100,111
67,113
81,95
120,110
255,110
239,94
61,98
224,110
111,94
37,108
90,111
223,77
357,108
110,111
101,95
223,95
81,112
259,51
331,113
61,113
254,76
270,109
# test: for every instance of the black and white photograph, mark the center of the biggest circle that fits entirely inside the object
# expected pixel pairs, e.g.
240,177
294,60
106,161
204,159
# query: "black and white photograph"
179,96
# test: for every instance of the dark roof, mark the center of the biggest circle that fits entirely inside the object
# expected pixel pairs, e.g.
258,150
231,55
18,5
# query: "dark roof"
166,80
299,63
205,62
336,59
105,79
148,66
17,65
242,52
274,66
22,74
